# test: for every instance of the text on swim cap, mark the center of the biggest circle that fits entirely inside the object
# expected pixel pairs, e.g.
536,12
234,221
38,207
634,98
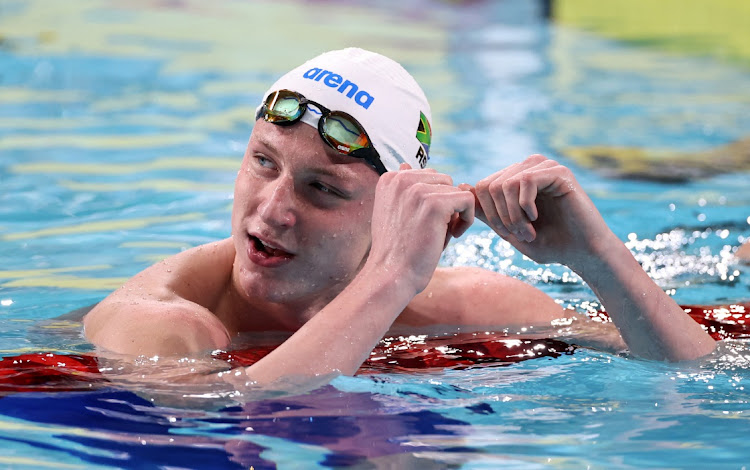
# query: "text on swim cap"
349,88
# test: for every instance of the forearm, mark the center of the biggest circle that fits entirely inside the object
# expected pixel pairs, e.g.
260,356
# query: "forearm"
339,338
651,323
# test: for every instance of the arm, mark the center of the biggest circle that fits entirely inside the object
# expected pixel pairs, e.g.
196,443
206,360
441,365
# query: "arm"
539,207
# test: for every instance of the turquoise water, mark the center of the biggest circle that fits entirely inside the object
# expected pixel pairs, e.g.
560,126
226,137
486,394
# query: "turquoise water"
121,131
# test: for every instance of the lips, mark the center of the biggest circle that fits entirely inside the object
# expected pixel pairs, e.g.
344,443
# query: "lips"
266,253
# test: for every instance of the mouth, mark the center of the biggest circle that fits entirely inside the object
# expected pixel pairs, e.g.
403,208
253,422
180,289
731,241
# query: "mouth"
267,249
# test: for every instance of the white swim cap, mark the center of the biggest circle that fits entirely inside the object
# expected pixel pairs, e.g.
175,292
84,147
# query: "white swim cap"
377,91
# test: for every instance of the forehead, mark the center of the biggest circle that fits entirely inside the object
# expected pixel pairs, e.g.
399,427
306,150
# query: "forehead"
301,146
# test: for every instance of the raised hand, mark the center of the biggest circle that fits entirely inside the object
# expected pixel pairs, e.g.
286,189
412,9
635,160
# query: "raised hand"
539,207
416,212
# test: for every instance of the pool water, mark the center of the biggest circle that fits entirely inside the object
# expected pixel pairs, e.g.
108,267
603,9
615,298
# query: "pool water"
122,125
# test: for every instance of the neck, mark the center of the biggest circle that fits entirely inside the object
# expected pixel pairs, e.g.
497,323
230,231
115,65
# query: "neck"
242,311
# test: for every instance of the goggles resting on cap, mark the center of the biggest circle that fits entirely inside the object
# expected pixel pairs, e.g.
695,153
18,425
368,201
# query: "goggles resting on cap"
338,129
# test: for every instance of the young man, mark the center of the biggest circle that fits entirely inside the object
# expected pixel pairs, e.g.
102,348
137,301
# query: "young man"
337,229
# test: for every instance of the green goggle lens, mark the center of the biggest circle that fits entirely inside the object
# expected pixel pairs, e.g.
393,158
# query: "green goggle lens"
338,129
282,107
343,134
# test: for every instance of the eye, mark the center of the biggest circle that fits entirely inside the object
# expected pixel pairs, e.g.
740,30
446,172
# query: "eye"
264,161
325,189
263,166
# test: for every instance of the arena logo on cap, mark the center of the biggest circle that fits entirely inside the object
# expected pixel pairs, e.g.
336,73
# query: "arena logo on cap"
333,80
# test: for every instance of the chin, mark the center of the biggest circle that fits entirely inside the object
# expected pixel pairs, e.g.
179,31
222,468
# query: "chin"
301,290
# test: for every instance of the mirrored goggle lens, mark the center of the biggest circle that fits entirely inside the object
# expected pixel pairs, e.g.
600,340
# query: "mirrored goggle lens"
343,133
283,106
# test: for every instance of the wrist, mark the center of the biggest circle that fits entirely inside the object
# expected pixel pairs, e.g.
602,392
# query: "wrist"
396,281
608,255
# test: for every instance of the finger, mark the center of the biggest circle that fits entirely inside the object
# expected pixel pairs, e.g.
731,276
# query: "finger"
449,232
462,218
532,162
519,223
489,210
465,217
498,200
478,212
520,192
462,223
556,181
527,198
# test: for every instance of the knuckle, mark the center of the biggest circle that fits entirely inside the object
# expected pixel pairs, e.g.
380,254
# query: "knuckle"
387,177
537,157
511,184
497,186
483,185
565,172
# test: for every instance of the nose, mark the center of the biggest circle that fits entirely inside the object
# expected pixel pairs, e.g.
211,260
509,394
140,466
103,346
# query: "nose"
277,206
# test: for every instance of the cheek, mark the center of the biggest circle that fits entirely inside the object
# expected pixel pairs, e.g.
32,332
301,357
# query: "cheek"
349,241
243,190
240,205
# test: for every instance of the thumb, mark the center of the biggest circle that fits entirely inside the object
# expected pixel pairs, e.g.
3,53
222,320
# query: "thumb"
478,212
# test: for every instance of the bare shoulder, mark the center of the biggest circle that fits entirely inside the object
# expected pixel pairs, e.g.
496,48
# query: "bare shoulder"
167,308
476,296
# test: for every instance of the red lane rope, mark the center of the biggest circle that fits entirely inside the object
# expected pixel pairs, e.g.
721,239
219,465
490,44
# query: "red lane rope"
40,372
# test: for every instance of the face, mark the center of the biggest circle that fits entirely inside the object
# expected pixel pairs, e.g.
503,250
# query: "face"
301,217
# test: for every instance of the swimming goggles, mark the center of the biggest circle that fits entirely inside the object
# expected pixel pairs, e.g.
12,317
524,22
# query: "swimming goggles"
338,129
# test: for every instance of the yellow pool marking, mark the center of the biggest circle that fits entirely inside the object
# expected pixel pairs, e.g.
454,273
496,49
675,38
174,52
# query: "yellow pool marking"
104,226
166,163
69,282
47,272
36,463
60,325
160,34
153,259
218,120
156,185
37,123
655,163
149,244
124,141
176,100
717,28
27,95
205,121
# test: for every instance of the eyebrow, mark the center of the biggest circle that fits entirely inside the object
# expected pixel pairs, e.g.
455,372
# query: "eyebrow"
333,170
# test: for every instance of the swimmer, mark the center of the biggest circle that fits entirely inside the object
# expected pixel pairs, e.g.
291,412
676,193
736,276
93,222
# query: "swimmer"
337,230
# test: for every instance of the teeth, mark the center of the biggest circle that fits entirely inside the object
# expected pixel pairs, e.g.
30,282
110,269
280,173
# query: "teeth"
268,245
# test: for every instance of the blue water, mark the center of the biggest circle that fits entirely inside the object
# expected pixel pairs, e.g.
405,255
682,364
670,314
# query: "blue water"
121,131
